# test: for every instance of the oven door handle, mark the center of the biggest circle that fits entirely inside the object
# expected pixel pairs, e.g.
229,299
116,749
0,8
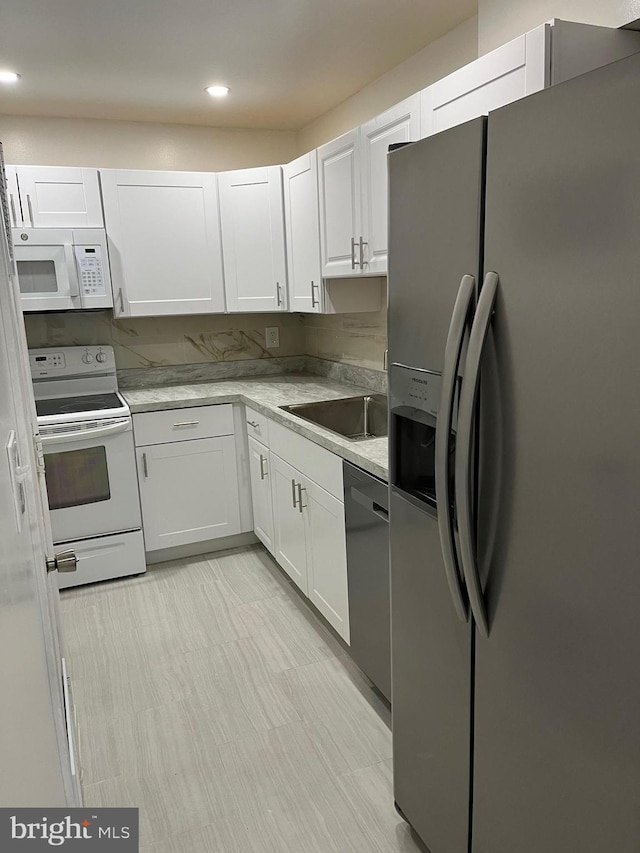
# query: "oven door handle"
96,432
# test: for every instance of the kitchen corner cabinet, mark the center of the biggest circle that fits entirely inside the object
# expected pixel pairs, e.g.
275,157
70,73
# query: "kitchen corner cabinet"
302,224
353,192
252,221
188,475
163,231
550,54
54,197
260,473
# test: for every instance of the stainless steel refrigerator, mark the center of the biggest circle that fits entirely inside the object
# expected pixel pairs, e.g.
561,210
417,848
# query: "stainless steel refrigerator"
514,335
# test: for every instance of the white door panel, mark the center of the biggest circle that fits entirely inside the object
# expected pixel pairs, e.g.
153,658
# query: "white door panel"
60,197
252,222
164,242
303,234
289,522
340,206
189,491
260,470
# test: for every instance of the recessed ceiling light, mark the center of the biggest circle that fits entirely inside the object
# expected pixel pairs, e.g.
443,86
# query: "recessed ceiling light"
218,91
9,77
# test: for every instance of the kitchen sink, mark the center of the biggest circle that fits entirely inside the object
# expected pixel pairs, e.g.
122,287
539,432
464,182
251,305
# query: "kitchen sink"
356,418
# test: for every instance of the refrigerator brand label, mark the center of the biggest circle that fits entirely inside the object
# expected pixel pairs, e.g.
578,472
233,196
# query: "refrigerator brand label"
105,830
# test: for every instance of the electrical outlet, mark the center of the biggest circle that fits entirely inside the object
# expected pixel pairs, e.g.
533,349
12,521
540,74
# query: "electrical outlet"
272,337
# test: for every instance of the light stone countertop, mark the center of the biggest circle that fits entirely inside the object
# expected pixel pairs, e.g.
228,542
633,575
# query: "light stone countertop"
266,395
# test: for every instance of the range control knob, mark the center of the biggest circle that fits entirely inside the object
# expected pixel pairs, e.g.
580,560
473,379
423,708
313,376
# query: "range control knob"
101,357
87,357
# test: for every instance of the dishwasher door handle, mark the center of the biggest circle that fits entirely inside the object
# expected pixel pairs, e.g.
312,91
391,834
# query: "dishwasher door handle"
369,504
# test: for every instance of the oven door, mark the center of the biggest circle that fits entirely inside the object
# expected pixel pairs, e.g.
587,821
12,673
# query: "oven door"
91,477
47,274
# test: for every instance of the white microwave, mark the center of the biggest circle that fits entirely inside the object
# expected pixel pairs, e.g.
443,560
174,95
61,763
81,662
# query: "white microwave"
60,269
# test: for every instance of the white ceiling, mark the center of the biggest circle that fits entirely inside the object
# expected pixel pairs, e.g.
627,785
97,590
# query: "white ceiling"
287,61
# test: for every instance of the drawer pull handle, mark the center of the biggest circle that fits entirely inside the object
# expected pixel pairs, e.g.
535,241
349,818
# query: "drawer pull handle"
301,489
254,424
186,423
263,473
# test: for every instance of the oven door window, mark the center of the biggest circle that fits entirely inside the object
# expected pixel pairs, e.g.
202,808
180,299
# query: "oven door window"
77,477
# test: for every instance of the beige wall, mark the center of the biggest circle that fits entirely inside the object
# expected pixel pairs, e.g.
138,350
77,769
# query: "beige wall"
140,145
502,20
438,59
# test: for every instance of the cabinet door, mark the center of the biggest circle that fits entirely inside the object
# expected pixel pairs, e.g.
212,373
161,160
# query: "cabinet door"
327,556
514,70
340,206
163,230
60,197
399,124
303,233
189,491
289,521
252,218
15,211
259,468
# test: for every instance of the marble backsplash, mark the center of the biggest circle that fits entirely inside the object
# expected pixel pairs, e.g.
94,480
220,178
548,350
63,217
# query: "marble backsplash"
355,339
145,342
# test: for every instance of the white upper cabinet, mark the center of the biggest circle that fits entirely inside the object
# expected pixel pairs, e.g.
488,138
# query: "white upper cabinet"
303,233
340,206
399,124
163,233
550,54
252,218
54,197
353,192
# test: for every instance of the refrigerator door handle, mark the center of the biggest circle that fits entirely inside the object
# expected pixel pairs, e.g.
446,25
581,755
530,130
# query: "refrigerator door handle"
452,353
466,417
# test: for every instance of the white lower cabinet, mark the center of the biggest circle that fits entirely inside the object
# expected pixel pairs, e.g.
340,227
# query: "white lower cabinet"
188,475
310,543
289,522
260,472
327,556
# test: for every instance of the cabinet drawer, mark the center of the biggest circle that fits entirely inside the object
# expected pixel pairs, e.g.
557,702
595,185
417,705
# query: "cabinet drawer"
257,426
318,464
182,424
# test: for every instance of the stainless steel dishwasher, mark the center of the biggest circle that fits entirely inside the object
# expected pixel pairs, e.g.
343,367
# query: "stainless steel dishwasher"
366,506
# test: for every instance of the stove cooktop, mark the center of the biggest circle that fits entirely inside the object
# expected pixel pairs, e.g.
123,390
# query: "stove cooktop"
78,405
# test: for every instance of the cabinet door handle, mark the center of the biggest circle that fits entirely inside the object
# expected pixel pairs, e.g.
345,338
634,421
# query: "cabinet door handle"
293,492
353,253
363,243
315,301
301,489
30,209
254,424
263,473
121,298
145,467
13,210
186,423
279,294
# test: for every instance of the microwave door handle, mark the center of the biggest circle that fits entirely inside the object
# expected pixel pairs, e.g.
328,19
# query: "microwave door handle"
463,466
82,434
72,271
453,351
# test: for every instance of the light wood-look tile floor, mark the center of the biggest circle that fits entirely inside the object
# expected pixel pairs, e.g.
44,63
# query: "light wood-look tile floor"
211,697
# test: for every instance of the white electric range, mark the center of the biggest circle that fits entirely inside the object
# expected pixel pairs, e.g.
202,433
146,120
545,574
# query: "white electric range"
87,437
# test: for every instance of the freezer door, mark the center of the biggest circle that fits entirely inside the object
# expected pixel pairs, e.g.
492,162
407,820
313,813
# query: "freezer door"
435,202
557,698
431,684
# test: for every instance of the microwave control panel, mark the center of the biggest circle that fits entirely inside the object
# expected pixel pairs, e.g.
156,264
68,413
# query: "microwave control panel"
89,260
